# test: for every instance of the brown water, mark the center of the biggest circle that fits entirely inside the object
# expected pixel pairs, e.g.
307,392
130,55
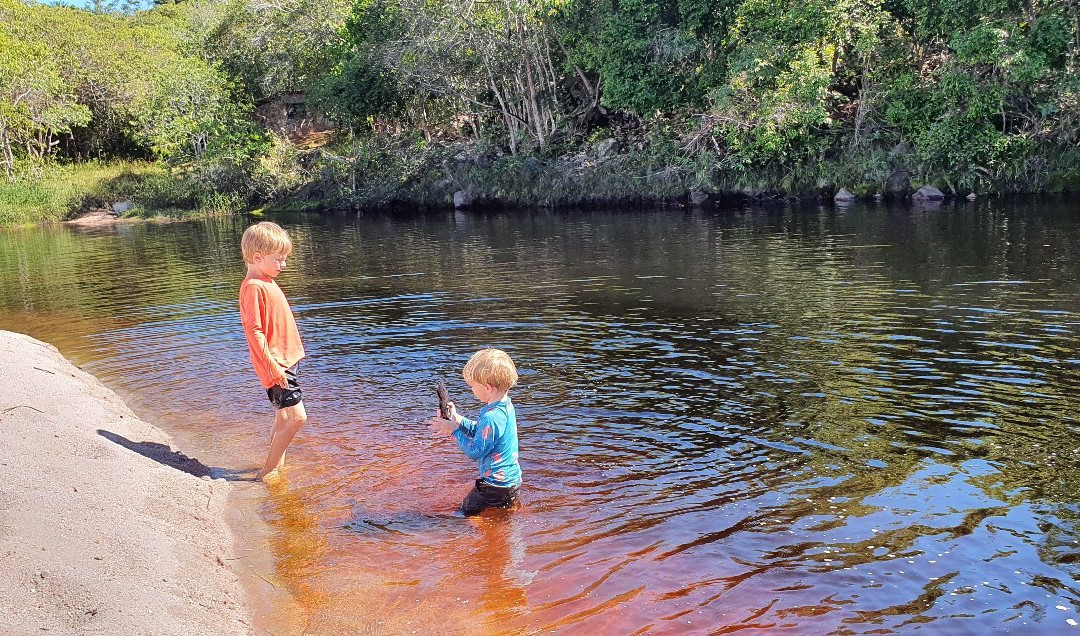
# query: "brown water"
856,421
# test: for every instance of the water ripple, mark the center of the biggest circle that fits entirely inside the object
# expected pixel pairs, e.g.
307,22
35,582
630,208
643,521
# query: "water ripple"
773,420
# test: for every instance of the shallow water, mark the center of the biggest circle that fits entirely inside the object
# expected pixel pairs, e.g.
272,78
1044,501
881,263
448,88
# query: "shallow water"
801,418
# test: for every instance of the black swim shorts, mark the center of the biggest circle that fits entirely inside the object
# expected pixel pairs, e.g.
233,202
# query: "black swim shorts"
282,398
484,495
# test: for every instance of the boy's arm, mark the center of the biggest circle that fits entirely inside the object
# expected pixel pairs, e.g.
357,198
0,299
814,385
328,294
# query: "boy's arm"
468,426
482,440
251,312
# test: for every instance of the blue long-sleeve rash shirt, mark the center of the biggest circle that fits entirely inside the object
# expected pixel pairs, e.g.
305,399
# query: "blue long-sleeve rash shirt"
493,442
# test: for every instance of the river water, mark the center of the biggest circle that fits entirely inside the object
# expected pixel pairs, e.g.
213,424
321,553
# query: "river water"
820,420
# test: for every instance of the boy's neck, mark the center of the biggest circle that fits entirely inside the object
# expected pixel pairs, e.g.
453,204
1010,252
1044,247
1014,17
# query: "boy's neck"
253,272
500,397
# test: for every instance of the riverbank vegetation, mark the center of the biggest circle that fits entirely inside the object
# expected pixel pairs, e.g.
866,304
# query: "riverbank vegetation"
361,103
58,189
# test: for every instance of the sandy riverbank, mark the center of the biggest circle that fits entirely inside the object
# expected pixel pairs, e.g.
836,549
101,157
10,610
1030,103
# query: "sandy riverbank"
101,528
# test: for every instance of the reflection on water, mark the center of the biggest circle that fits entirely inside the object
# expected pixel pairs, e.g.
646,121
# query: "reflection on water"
810,419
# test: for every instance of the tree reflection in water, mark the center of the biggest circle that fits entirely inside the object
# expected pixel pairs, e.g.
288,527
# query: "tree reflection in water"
809,419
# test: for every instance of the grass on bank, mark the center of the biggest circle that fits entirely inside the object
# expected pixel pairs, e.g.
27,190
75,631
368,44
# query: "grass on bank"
58,192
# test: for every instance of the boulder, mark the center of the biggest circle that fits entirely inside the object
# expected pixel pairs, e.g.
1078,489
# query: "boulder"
843,196
928,193
606,148
898,184
697,197
122,206
972,196
463,199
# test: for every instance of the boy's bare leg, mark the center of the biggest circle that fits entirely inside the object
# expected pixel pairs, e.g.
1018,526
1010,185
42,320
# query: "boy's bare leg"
277,426
287,422
281,462
273,432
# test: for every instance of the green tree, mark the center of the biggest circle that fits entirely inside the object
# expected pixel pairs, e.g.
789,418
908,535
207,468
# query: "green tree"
37,105
364,84
648,56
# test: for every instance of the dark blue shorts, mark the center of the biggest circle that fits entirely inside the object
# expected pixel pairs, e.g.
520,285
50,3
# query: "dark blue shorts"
484,495
283,398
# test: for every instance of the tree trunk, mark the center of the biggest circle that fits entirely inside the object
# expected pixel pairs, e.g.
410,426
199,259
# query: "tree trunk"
507,117
7,157
533,107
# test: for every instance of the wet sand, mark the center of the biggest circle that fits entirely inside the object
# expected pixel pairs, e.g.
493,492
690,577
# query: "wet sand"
104,528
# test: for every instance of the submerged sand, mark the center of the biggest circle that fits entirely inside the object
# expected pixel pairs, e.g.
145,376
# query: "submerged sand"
101,528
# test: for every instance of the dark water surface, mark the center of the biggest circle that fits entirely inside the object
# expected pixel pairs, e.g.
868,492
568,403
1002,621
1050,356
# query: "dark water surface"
855,421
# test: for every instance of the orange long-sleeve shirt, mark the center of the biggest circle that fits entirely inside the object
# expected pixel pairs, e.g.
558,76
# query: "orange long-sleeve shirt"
270,329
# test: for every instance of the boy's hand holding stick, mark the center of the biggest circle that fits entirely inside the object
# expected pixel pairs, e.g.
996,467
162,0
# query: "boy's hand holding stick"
446,419
444,401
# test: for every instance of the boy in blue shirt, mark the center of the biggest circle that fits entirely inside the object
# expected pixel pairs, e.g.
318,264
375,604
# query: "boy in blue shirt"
492,439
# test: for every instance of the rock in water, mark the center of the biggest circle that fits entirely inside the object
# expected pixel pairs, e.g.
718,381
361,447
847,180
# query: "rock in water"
463,199
844,196
898,184
928,193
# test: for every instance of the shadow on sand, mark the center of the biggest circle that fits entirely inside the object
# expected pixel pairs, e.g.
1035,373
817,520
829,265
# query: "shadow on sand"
163,454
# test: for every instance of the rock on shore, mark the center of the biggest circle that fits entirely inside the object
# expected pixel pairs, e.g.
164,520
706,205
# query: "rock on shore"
95,535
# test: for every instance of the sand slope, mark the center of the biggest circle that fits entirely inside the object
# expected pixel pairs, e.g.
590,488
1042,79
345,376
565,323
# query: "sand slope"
95,535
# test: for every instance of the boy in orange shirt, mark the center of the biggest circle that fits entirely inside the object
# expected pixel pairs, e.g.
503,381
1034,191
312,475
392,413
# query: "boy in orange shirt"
273,340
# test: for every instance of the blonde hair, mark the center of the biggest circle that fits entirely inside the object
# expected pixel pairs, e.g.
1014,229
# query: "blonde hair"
491,367
267,238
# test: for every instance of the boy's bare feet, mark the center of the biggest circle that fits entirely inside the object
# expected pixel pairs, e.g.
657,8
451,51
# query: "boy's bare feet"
263,472
267,475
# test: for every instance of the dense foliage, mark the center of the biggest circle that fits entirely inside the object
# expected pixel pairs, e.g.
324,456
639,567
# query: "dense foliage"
796,97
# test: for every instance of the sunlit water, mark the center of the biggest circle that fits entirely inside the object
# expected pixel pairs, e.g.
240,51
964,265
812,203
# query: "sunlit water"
813,419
